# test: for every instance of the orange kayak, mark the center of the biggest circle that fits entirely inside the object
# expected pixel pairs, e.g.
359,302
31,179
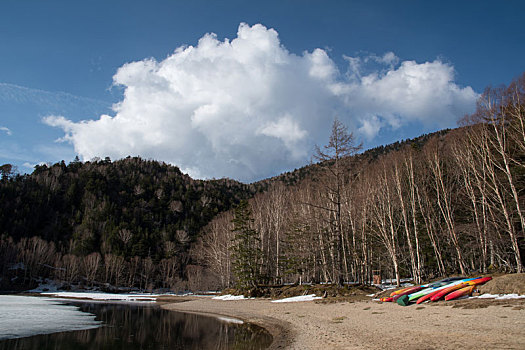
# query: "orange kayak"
429,295
400,291
467,290
440,294
445,291
460,292
408,291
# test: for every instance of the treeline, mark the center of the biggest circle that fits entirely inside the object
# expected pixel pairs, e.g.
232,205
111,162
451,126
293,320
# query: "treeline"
453,204
32,260
135,218
445,203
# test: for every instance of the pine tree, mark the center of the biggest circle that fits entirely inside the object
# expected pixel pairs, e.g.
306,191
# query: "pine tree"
246,251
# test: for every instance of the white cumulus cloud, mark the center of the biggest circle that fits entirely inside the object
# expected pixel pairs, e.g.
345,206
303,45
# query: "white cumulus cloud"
247,108
6,130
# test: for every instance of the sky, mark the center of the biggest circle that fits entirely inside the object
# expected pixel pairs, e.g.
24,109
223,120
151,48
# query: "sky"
241,89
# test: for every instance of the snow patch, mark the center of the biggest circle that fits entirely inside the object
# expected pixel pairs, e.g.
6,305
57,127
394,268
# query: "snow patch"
500,296
23,316
230,320
106,296
388,286
309,297
229,297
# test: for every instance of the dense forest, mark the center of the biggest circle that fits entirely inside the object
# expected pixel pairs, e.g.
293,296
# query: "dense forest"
446,203
130,214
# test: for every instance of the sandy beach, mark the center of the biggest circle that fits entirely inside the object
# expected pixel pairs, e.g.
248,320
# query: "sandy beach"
467,324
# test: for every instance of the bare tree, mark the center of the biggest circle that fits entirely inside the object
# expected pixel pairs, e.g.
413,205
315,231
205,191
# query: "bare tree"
114,269
37,255
214,249
444,187
337,154
500,124
125,236
385,216
147,271
69,268
90,266
404,182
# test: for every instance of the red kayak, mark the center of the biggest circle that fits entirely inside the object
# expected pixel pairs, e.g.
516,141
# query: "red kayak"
408,291
467,290
386,299
460,292
440,294
428,296
445,291
399,291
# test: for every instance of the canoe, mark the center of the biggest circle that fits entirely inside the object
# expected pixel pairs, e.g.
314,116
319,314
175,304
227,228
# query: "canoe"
472,282
460,292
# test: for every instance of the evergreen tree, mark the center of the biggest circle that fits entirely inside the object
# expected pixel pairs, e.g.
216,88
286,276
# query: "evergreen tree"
246,251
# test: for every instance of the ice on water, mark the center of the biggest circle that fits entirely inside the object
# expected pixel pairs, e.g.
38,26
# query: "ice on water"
24,316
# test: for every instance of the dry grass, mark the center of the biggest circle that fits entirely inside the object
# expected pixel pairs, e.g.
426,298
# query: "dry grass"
505,284
329,292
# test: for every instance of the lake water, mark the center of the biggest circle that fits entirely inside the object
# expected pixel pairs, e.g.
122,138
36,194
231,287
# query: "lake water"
138,326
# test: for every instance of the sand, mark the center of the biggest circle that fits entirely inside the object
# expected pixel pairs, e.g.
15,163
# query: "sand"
466,324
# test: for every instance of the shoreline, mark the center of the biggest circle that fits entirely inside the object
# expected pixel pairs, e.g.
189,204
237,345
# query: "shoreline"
467,324
282,332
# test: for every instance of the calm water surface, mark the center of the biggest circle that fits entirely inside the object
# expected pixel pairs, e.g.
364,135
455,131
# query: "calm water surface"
132,326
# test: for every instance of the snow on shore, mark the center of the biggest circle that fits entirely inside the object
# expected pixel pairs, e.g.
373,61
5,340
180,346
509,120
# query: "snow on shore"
297,299
500,296
23,316
106,296
229,297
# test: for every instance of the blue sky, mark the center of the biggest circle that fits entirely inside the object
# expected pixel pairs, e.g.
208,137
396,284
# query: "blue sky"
252,107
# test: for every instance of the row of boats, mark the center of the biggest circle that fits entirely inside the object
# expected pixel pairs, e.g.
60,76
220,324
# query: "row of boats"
448,288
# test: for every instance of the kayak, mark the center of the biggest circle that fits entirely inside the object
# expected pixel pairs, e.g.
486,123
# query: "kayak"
437,284
472,282
405,300
386,299
447,290
460,292
408,291
467,290
399,291
434,286
430,294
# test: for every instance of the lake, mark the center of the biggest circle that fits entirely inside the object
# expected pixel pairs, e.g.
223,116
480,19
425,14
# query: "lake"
146,326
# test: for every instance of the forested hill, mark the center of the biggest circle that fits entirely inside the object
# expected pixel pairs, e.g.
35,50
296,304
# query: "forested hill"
130,207
308,171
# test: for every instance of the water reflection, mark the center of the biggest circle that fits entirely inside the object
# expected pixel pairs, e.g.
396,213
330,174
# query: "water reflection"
135,326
